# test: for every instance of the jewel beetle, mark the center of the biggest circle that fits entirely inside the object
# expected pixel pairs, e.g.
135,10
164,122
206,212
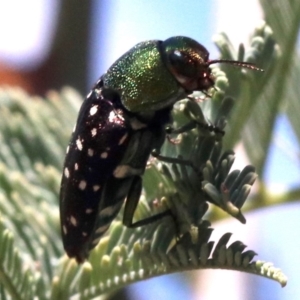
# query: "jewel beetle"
120,123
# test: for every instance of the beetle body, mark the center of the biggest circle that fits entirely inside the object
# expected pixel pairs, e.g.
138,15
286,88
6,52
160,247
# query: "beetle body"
120,122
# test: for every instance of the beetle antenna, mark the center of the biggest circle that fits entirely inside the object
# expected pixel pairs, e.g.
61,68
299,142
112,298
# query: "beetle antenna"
241,64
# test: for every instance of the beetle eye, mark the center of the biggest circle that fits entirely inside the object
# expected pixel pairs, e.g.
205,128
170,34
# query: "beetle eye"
182,63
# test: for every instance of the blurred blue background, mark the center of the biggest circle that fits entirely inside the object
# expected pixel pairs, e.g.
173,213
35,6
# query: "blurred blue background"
118,25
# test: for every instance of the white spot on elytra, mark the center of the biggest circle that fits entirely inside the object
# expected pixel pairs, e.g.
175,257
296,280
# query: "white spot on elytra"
96,187
98,92
65,231
73,221
66,172
76,166
123,138
88,211
89,94
82,185
79,144
101,230
104,155
96,241
107,212
111,116
94,131
68,148
115,116
84,233
93,110
90,152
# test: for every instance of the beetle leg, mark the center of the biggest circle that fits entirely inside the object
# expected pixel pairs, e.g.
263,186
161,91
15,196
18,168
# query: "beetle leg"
171,130
186,127
174,160
191,125
132,202
155,153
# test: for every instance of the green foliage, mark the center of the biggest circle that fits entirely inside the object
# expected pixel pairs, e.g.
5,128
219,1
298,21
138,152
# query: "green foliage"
34,135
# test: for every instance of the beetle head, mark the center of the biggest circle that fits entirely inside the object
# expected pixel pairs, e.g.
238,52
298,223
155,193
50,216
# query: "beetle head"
189,62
